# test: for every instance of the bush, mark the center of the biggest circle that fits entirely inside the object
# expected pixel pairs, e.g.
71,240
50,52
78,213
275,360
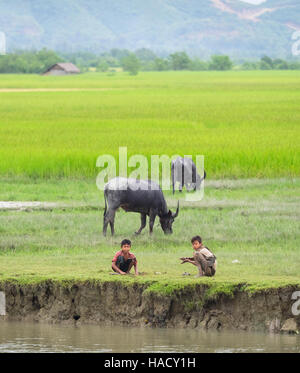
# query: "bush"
131,64
161,64
198,65
249,66
180,61
220,63
265,66
28,61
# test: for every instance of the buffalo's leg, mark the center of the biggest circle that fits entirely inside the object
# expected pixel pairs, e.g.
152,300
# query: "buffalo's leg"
143,223
109,217
173,178
152,217
112,222
182,180
105,223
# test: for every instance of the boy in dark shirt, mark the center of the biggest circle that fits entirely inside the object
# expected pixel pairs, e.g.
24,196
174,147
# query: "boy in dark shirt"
124,260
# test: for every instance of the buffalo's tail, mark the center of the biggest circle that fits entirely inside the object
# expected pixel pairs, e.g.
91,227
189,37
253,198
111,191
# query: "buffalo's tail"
105,207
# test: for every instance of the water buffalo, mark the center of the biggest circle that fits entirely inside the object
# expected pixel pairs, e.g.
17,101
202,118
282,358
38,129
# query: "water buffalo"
185,172
143,196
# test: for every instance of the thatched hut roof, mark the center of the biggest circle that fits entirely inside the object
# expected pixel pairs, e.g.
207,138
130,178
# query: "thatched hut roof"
67,67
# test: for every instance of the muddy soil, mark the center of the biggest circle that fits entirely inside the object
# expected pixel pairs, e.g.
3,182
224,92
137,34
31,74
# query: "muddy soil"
122,304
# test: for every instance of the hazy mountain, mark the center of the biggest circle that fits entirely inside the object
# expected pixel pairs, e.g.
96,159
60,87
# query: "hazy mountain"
239,28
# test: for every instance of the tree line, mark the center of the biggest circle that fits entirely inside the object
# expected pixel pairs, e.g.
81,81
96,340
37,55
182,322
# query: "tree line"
133,62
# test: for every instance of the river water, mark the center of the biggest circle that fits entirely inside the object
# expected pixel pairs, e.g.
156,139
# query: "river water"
38,337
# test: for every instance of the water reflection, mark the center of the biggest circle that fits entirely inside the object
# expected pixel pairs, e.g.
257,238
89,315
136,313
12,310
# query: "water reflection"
38,337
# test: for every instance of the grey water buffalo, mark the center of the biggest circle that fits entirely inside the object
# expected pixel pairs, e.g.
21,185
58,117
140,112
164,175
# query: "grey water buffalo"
142,196
184,171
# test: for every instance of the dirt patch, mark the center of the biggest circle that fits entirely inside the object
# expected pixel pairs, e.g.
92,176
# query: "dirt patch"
129,304
38,205
12,205
55,89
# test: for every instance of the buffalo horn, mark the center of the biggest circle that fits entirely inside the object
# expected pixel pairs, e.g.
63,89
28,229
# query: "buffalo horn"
177,210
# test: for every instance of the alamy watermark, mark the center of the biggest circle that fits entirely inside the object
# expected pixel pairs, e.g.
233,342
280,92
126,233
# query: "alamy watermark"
2,304
159,171
296,305
2,43
296,44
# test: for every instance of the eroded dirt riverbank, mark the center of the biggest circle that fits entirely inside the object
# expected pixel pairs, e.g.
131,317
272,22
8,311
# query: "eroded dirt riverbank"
134,305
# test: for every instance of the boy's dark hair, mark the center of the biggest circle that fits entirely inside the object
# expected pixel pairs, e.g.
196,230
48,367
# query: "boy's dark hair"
126,242
196,238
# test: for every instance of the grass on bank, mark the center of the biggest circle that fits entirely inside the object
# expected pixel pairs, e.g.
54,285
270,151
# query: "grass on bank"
253,221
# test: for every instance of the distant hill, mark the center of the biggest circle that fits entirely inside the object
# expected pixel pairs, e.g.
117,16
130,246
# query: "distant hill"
238,28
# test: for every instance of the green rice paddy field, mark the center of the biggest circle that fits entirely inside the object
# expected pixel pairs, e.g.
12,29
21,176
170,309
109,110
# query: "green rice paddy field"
246,124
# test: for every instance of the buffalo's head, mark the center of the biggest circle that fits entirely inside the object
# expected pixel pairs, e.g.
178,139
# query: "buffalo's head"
167,220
